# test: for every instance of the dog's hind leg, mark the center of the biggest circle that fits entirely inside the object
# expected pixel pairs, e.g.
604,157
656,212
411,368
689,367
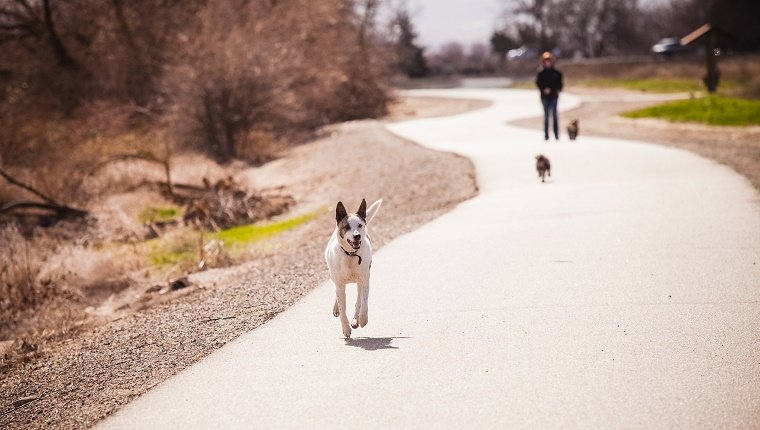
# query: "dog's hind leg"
340,291
336,310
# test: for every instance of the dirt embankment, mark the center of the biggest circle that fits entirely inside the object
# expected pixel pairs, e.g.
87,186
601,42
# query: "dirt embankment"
735,147
427,107
77,381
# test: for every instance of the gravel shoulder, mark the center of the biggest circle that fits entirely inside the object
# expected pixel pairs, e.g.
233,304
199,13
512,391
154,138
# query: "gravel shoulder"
78,381
735,147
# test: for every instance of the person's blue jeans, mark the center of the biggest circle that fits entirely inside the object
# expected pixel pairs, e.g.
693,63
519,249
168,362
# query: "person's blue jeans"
550,106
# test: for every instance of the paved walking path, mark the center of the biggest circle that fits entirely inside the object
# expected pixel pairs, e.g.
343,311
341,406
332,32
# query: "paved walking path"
625,292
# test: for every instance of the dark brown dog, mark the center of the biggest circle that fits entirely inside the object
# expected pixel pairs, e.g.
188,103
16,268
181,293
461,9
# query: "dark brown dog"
573,129
543,166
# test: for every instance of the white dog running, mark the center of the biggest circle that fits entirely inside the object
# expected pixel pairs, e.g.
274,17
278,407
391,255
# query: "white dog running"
349,257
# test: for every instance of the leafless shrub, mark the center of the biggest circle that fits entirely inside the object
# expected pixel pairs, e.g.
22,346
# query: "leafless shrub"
21,261
360,96
44,268
55,153
219,102
297,66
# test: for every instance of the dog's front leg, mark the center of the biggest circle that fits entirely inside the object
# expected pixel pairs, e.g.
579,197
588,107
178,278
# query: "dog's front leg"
340,291
358,306
364,294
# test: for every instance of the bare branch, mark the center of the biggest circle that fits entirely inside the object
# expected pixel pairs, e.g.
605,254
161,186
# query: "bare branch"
27,187
141,156
61,210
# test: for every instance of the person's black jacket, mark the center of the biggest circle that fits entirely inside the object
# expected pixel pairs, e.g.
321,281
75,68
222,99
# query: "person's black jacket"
551,78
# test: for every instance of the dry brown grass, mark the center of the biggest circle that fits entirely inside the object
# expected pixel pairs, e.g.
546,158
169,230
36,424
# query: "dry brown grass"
44,269
20,265
58,154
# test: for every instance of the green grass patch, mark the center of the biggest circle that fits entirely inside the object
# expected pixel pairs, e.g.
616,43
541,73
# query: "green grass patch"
713,110
173,249
184,249
174,256
153,214
250,233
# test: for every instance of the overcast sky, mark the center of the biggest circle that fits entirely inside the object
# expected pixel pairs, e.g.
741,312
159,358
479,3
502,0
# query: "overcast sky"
464,21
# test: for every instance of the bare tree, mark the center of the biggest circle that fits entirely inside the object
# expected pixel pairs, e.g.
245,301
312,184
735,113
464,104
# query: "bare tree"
679,17
138,75
479,60
18,21
740,19
367,14
64,58
597,27
501,43
538,13
411,58
449,59
23,19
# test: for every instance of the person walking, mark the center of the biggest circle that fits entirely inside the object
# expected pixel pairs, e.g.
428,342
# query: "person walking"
549,82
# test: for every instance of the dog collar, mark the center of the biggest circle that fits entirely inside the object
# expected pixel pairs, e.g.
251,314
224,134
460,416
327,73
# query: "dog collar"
353,254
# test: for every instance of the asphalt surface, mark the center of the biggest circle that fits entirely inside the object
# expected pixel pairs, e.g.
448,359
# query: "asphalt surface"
624,292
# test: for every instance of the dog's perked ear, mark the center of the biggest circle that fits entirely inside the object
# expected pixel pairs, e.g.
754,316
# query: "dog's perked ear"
362,210
340,212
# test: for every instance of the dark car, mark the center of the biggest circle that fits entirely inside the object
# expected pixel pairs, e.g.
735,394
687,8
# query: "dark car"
669,47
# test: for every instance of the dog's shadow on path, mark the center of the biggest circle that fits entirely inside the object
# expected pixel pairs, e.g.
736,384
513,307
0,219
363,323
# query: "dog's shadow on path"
373,343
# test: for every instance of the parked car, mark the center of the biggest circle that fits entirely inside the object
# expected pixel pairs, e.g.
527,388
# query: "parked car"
669,47
522,53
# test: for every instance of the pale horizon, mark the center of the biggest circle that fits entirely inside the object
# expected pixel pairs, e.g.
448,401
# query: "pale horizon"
467,22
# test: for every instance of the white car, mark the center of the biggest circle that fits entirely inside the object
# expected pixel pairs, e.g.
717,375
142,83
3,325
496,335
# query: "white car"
522,53
668,47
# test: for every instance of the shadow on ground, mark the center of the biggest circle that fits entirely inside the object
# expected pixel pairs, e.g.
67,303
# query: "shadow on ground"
373,343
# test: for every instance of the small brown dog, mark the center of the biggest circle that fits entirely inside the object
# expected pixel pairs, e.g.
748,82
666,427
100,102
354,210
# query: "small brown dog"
573,129
543,166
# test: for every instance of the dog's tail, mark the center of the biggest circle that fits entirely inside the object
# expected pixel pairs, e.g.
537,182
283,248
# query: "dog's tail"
372,210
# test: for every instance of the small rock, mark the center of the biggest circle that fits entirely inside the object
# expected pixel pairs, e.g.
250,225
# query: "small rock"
6,346
24,400
179,284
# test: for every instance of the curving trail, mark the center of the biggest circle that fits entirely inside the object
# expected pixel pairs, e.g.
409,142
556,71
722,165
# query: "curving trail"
625,292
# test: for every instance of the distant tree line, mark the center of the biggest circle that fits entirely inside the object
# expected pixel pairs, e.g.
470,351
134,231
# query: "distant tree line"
587,29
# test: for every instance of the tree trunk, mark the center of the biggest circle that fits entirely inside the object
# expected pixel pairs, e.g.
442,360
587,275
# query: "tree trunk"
64,59
137,78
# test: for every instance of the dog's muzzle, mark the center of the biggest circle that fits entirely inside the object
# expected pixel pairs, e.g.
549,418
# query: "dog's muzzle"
356,243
